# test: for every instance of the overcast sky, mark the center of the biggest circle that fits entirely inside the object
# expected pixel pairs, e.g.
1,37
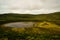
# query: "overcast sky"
29,6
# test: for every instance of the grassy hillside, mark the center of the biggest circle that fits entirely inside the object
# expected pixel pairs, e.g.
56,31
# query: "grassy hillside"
53,17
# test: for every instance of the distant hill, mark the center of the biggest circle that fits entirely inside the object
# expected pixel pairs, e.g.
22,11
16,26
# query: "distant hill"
11,17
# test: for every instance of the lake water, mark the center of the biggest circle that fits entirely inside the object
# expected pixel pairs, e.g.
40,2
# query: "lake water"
20,24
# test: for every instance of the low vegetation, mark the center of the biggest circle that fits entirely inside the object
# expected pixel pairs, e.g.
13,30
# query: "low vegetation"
31,33
47,27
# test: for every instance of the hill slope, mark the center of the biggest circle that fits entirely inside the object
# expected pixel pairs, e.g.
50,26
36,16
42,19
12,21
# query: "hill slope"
53,17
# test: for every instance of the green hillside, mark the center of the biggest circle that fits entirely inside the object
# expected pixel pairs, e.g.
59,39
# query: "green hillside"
52,17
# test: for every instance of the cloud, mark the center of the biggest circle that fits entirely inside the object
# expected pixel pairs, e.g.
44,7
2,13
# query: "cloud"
29,6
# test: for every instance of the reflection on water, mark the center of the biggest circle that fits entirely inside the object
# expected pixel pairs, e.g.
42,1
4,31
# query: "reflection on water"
19,24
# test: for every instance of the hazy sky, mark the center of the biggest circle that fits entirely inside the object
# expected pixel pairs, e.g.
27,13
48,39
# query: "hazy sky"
29,6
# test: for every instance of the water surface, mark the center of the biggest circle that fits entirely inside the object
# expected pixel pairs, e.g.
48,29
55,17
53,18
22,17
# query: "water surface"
19,24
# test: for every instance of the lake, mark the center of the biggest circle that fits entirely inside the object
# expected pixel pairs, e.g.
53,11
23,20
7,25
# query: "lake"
20,24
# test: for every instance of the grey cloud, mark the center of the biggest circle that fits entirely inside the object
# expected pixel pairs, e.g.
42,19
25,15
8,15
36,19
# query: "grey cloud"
38,5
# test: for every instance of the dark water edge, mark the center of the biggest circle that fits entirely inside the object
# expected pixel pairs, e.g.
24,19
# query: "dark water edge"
3,22
9,21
